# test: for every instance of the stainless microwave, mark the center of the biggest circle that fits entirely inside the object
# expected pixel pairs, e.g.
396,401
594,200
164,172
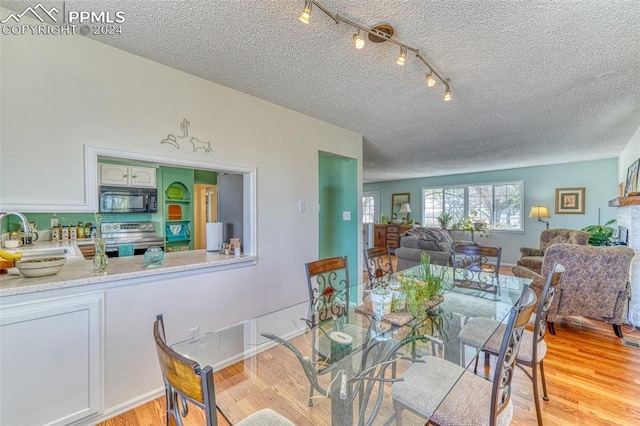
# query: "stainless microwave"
115,199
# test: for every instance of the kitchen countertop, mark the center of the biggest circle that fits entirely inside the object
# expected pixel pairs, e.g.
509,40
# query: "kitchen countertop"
79,272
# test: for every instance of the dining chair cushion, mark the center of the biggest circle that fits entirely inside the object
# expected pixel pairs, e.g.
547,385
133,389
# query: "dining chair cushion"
426,383
468,403
474,333
265,417
525,354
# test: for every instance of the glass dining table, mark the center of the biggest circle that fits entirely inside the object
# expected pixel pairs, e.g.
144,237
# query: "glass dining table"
340,371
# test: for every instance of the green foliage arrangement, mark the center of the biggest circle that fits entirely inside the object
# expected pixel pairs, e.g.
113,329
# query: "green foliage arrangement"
600,235
423,287
472,224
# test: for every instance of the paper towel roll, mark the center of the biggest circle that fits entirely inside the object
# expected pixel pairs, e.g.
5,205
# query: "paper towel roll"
215,235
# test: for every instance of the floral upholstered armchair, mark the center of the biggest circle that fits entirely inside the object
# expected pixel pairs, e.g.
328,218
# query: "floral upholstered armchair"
531,258
594,285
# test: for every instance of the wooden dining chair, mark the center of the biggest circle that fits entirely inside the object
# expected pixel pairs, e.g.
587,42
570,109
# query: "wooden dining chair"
185,382
533,348
378,262
467,399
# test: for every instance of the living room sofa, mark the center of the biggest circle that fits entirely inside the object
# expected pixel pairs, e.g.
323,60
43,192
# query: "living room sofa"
436,242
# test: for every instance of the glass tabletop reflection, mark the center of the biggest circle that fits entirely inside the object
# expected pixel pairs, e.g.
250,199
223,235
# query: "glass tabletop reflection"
339,370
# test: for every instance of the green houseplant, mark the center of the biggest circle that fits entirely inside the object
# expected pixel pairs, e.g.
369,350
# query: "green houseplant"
444,219
472,224
422,288
600,235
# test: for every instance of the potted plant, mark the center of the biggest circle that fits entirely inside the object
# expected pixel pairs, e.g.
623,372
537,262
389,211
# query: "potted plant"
381,297
600,235
423,290
474,225
444,220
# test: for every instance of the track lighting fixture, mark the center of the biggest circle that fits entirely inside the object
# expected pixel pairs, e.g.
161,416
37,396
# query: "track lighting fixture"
402,57
358,40
447,92
379,34
306,13
430,80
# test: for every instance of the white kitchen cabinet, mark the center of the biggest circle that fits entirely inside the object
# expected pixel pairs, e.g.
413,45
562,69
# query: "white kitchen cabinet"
119,175
52,354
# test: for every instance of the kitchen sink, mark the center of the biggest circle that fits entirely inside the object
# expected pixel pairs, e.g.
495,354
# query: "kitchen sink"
31,253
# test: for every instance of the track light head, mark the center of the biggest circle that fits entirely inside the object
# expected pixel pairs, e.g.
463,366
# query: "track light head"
447,92
402,57
358,40
430,80
306,13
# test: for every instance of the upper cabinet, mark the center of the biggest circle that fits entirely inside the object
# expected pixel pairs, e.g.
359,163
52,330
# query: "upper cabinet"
119,175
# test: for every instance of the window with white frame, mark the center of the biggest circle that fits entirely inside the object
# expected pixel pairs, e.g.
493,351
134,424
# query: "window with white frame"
370,206
497,204
368,209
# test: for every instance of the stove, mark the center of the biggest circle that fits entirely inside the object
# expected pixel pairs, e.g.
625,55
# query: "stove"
141,234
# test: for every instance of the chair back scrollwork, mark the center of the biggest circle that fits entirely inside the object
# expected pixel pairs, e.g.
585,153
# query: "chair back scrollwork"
328,282
506,362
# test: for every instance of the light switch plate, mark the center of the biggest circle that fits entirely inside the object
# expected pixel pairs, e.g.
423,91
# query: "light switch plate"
346,215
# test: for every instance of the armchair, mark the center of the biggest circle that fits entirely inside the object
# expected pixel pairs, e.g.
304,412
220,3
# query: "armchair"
595,283
531,258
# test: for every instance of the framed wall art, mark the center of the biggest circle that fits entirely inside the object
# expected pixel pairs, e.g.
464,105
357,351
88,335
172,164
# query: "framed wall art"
631,186
570,200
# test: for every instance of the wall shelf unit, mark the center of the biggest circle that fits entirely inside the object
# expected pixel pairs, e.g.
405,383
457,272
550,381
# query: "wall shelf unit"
177,188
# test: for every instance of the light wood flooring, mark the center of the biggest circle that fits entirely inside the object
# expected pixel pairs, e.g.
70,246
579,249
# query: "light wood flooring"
592,379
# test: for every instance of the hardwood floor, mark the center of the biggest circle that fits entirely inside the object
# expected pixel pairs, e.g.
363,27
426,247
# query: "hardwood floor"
592,379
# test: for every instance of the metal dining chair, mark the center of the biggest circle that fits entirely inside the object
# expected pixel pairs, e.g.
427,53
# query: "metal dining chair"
466,398
185,382
533,348
378,262
328,284
476,266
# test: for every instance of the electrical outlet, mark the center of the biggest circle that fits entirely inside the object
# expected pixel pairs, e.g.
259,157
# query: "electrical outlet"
194,333
54,222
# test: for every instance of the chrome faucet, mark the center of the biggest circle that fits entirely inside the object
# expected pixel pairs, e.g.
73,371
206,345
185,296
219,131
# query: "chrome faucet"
23,218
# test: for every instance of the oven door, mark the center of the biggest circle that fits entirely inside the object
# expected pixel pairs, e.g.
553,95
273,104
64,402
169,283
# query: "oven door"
114,200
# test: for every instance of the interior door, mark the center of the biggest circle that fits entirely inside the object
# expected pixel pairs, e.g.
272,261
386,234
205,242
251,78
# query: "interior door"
205,209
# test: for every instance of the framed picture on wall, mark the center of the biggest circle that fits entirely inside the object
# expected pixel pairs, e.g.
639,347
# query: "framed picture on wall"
570,200
631,186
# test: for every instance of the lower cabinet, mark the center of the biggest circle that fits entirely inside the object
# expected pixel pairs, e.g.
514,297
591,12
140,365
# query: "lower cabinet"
389,235
51,354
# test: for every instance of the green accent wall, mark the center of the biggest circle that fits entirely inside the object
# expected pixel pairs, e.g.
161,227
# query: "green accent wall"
338,192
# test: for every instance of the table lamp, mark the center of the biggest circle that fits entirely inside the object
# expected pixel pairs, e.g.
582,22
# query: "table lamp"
540,212
405,209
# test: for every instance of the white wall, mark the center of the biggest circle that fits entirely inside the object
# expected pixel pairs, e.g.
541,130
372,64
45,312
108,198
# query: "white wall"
62,92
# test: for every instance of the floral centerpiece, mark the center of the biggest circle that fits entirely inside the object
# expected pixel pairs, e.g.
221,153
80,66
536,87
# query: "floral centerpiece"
425,289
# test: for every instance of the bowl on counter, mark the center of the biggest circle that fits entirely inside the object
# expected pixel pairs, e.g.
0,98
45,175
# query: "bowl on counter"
40,267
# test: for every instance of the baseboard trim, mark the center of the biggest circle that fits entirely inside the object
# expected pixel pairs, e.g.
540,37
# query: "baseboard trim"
120,408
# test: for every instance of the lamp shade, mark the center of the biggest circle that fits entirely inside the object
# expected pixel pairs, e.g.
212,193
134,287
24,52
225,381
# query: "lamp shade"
539,211
405,208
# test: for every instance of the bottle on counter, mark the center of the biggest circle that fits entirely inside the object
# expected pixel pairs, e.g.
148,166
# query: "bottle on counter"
64,233
80,230
55,233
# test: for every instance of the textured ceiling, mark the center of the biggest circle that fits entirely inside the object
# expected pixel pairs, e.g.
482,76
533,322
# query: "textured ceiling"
535,82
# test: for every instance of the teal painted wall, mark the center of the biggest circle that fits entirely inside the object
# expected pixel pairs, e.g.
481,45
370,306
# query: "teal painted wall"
599,177
338,192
